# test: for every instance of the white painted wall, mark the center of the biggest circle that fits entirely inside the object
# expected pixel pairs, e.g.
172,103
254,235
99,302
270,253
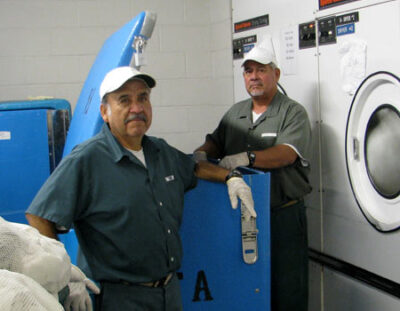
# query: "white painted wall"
48,46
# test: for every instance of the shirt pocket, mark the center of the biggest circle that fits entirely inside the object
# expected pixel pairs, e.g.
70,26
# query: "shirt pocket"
174,193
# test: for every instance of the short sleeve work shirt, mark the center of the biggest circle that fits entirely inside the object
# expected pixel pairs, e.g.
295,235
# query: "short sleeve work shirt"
126,216
284,122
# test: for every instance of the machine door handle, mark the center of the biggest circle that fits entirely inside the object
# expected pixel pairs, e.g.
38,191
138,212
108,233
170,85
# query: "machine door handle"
249,237
356,149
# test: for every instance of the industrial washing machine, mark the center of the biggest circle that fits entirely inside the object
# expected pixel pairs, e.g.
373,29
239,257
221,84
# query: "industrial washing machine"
344,69
360,103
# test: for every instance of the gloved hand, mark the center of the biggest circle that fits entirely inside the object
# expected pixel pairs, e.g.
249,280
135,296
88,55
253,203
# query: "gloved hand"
238,188
199,156
78,298
233,161
78,276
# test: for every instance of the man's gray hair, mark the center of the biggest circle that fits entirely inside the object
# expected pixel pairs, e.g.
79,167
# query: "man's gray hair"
273,65
104,99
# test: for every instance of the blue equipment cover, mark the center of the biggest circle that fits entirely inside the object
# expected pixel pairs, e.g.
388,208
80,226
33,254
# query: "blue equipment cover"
215,277
24,153
116,51
48,103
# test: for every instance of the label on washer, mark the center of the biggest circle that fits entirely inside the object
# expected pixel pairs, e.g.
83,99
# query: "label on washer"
345,30
5,135
323,4
256,22
247,48
347,18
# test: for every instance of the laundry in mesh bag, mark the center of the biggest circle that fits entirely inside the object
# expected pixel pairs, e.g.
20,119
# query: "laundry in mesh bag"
24,250
19,292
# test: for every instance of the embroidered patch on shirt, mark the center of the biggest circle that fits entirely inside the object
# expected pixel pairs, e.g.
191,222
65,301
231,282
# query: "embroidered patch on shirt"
169,178
268,135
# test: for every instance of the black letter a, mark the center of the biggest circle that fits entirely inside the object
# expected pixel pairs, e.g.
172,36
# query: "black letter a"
201,277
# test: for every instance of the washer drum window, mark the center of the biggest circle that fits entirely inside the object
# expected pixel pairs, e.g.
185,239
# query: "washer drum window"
373,150
382,151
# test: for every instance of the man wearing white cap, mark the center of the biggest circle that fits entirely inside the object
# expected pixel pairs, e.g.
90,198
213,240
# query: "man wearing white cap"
123,192
271,132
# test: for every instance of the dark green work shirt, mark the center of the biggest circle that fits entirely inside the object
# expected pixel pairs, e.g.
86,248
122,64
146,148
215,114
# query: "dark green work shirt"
126,216
284,122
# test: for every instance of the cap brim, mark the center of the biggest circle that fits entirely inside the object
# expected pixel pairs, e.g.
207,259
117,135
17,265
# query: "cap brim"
146,78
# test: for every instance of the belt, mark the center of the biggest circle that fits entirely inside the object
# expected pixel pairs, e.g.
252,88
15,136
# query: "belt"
159,283
290,203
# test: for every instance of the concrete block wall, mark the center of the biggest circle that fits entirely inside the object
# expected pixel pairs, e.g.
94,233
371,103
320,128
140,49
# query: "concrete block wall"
48,47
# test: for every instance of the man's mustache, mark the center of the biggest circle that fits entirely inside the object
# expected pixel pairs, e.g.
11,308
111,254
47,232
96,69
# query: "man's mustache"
136,116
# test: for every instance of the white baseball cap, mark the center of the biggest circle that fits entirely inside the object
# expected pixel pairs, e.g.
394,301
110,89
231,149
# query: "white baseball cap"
260,55
115,78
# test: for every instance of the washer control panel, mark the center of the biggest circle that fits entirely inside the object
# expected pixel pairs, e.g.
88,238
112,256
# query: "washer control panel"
326,33
243,45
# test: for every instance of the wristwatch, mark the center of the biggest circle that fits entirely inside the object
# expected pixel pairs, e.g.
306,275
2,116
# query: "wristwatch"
252,158
233,173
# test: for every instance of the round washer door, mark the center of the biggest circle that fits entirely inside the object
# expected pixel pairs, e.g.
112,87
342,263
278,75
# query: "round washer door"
373,149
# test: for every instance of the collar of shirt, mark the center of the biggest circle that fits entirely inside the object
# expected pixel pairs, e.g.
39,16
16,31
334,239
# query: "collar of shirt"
118,152
273,109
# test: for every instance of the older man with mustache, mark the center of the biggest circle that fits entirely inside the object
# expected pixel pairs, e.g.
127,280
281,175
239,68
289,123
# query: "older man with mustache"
123,192
271,132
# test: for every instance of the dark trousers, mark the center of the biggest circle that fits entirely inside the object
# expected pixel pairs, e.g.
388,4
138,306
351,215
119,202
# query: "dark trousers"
289,258
117,296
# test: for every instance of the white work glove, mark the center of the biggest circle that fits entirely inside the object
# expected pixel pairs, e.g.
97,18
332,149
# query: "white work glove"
78,276
78,298
199,156
233,161
237,188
